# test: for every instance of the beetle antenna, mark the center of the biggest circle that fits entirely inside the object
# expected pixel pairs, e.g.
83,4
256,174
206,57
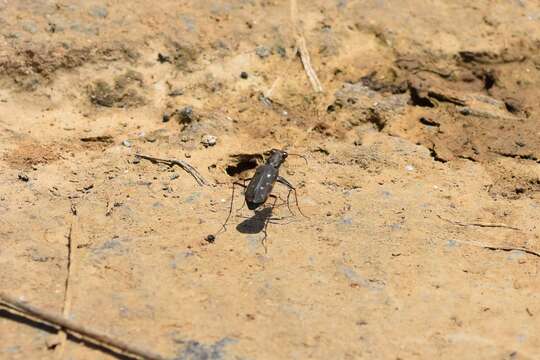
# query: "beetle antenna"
302,156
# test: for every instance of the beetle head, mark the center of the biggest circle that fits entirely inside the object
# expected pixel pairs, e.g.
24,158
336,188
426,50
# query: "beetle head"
276,157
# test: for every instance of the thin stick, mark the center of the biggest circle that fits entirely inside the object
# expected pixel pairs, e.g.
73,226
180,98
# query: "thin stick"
71,327
301,48
479,224
66,308
184,165
306,61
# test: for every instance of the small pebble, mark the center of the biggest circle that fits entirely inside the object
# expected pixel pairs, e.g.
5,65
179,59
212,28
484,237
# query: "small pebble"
55,28
166,117
244,75
209,140
23,177
262,52
163,58
176,92
409,168
13,35
187,155
126,143
210,238
465,111
281,51
186,114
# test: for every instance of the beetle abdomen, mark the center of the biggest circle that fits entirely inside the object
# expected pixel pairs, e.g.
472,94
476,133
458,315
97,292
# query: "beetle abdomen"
260,186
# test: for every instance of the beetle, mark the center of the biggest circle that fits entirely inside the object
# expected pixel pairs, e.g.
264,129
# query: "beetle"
261,185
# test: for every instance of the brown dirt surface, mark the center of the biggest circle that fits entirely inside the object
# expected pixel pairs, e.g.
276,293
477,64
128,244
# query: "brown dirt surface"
421,187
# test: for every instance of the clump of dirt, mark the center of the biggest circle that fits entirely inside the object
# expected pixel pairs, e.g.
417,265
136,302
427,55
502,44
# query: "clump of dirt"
460,106
385,80
182,55
518,179
357,104
29,154
195,122
124,93
186,116
34,64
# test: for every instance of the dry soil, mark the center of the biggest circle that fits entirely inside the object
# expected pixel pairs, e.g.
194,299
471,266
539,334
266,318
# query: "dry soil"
422,181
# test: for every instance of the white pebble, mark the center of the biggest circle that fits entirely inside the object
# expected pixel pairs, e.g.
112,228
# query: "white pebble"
209,140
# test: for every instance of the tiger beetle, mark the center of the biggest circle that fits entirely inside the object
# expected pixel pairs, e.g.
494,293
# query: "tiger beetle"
261,185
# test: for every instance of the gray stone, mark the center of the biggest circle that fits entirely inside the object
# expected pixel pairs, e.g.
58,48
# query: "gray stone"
99,11
89,30
195,350
281,51
193,197
452,243
262,52
30,27
189,22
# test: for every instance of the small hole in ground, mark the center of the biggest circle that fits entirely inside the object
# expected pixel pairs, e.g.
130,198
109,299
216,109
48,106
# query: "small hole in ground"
244,162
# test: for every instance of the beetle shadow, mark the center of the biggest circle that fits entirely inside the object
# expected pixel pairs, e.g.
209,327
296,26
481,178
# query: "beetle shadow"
256,223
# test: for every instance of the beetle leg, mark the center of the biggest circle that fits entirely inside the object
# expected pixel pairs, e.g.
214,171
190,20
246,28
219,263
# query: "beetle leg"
267,220
292,189
244,186
234,184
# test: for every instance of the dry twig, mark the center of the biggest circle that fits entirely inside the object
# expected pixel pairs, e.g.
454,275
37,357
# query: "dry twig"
306,61
66,308
59,322
184,165
301,48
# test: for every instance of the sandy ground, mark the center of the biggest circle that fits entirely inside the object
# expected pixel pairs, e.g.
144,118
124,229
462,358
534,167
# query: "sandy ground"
421,186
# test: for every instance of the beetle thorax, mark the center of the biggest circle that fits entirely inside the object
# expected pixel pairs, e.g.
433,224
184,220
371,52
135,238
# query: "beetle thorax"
276,158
